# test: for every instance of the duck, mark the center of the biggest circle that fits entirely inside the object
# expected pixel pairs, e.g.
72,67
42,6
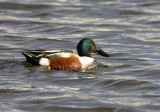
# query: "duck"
66,60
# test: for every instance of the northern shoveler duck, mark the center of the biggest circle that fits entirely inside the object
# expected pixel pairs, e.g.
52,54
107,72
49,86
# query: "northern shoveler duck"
65,60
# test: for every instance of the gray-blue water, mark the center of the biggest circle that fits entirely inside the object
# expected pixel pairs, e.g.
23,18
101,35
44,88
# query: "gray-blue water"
128,30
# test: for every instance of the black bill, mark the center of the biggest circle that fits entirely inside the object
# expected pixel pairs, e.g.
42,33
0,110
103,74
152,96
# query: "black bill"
101,52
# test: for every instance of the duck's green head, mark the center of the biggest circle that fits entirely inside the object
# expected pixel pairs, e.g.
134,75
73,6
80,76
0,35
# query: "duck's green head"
86,46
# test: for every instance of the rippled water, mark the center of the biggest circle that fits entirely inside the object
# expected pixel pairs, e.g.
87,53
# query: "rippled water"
129,30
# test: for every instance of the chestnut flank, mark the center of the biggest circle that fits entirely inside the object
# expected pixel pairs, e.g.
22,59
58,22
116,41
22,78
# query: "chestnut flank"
71,63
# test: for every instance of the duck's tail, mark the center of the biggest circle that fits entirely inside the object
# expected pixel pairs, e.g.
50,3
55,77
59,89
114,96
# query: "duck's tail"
31,58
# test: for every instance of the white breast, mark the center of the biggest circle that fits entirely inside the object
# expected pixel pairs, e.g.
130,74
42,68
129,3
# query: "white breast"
86,61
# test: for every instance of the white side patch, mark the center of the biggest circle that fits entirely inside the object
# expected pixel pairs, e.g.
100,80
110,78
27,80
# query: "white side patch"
86,61
65,55
44,62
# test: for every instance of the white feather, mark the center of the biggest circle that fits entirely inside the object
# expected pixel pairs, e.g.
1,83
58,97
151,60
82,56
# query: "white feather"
65,55
44,62
86,61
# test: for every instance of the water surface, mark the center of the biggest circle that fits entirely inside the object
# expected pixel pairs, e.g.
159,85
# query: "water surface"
129,30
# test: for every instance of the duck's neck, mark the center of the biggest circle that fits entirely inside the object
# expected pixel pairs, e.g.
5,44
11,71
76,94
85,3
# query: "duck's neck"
83,52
